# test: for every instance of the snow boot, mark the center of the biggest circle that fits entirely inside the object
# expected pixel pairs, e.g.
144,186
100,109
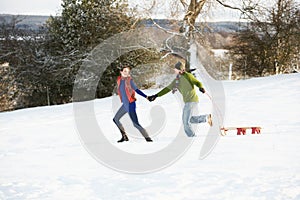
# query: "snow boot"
148,139
124,137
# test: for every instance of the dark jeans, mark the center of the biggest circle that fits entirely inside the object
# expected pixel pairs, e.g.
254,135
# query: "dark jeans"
121,112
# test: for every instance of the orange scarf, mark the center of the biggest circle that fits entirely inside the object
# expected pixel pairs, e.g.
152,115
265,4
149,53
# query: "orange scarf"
130,93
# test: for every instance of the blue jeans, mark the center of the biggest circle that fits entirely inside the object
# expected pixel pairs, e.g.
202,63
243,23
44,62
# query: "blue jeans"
132,114
188,118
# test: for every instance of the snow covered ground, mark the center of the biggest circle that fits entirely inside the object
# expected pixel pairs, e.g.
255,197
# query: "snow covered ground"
41,156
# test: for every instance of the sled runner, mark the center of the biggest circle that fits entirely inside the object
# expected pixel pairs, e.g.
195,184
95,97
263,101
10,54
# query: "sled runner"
241,130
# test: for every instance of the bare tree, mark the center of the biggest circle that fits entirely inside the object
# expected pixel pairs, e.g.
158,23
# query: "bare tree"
192,11
271,42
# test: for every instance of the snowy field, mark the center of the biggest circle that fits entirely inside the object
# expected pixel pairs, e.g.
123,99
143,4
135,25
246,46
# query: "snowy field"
41,156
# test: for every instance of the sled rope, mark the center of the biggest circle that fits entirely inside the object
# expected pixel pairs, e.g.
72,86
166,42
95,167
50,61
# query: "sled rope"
219,114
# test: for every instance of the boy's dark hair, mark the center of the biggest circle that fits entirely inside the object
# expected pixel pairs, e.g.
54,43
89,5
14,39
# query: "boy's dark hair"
179,66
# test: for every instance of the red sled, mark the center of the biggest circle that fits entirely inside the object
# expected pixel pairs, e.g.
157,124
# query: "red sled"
241,130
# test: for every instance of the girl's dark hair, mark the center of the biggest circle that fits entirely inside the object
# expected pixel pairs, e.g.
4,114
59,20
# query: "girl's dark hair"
121,67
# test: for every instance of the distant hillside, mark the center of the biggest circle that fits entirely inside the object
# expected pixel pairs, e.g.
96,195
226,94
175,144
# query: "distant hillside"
219,34
32,22
228,27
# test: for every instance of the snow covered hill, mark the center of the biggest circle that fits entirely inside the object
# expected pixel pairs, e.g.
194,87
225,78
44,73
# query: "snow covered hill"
41,156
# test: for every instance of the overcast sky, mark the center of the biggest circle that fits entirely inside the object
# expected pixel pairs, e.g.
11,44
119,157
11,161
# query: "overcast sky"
53,7
30,7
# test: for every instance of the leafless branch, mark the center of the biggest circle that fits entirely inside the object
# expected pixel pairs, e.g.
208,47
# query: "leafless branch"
184,4
199,6
150,8
246,10
153,5
165,30
229,6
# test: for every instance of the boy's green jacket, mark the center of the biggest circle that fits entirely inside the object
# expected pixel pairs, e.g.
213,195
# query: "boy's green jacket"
185,87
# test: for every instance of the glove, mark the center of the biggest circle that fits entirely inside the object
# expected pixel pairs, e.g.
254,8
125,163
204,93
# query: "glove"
152,98
202,90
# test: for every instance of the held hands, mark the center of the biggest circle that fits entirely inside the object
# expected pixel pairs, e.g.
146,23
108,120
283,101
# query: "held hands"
202,90
152,98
